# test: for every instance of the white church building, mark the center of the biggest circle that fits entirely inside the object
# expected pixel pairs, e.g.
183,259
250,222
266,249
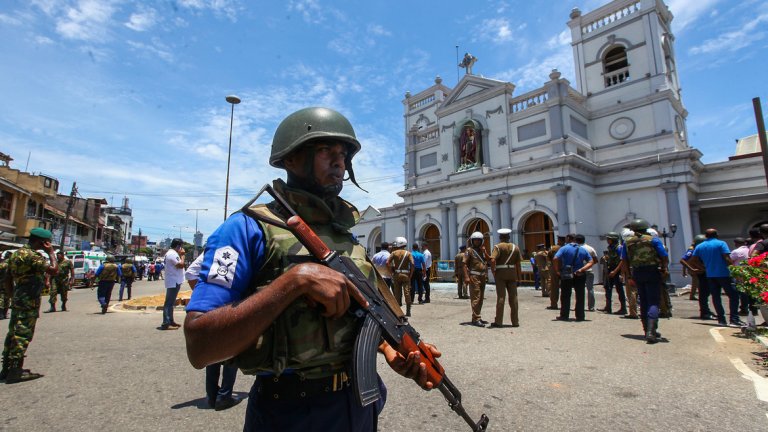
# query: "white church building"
584,157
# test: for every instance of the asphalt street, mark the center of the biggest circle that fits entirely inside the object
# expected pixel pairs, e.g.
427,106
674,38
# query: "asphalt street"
118,372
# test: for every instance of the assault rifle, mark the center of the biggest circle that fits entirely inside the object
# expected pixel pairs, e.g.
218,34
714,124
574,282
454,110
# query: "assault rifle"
380,321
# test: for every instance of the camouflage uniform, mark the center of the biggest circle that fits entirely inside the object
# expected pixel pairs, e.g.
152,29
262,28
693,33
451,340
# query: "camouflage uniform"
476,265
554,280
542,265
644,262
61,284
27,269
5,298
612,261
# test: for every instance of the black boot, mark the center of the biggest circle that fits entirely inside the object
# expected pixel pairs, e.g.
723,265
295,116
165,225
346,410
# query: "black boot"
408,310
51,309
64,306
650,335
17,374
4,371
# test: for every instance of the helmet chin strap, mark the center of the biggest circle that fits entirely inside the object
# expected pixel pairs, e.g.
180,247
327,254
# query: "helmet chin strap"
310,184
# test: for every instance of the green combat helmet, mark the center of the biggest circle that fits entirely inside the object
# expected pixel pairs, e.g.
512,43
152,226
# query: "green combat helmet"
639,225
612,235
110,258
310,124
699,238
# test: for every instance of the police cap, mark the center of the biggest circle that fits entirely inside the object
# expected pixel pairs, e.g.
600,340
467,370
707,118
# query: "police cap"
504,231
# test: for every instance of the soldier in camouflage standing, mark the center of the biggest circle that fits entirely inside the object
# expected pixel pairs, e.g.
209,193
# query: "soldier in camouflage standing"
542,265
5,298
554,279
613,273
476,275
61,283
27,270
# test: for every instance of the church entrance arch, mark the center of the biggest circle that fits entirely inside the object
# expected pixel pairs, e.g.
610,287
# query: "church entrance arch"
480,225
431,236
537,229
374,242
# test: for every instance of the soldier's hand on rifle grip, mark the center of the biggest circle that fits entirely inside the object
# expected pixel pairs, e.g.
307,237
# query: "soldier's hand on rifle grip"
325,287
411,366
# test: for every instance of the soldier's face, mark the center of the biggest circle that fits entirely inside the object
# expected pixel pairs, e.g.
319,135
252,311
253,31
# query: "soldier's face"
328,166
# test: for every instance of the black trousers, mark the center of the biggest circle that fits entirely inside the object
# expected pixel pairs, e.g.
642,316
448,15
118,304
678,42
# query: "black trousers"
578,284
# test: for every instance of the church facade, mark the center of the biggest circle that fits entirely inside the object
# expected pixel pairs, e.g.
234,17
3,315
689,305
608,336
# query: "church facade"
584,157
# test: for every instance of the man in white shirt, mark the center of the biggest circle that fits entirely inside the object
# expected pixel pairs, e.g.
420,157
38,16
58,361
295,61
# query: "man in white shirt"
428,264
174,277
380,261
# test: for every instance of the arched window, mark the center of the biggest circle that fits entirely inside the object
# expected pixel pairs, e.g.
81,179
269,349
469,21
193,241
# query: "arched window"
615,66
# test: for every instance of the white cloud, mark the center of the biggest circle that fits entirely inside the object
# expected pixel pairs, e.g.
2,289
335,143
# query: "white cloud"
155,48
142,20
309,10
688,11
9,20
496,30
228,8
43,40
88,21
734,40
378,30
536,72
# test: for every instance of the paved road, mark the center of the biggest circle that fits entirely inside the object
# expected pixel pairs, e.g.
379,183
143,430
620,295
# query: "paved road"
117,372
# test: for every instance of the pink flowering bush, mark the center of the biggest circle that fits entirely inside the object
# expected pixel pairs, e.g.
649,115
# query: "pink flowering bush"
752,277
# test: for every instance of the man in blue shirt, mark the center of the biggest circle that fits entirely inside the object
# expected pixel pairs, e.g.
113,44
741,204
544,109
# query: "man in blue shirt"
571,264
714,256
417,280
258,287
644,265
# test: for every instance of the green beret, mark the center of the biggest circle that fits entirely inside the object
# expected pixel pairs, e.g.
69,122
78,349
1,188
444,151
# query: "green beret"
40,233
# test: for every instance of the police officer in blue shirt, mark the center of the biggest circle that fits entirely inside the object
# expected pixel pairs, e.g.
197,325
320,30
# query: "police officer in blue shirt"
571,264
714,256
262,301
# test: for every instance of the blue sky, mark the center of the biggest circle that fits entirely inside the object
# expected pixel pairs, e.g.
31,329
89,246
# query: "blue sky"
127,97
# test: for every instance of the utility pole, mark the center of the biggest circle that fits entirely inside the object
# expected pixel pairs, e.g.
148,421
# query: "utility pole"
70,204
197,211
761,133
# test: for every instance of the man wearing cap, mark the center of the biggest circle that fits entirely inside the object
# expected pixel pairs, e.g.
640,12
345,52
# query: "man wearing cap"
264,302
458,272
505,266
61,282
401,265
27,269
476,275
542,265
109,274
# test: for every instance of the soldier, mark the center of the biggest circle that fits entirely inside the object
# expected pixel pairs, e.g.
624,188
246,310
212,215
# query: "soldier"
108,274
476,275
61,283
458,272
5,298
631,289
644,263
27,269
129,274
613,275
554,279
505,266
258,289
400,263
542,265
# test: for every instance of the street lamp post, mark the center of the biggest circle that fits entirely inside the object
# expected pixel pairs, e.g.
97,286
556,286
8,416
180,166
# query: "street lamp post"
233,100
197,211
179,227
667,234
